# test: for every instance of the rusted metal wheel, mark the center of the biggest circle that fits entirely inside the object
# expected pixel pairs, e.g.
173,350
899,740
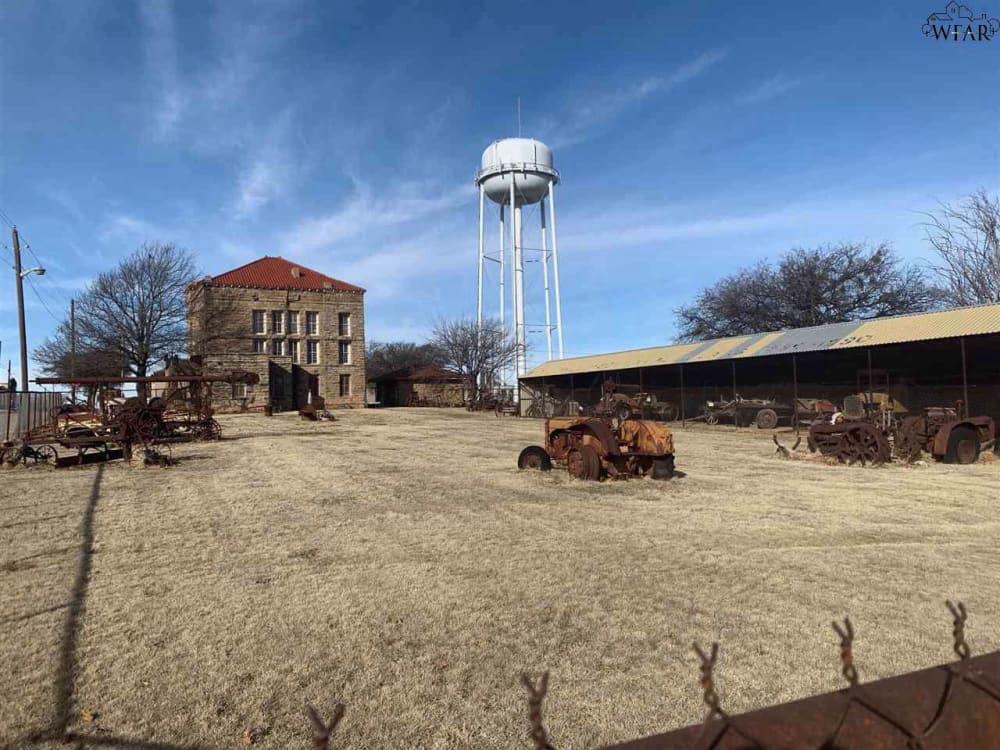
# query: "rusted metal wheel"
963,446
534,457
583,463
766,419
45,454
663,468
209,430
907,442
711,419
862,443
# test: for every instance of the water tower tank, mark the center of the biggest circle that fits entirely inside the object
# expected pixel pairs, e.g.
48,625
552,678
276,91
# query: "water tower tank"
525,161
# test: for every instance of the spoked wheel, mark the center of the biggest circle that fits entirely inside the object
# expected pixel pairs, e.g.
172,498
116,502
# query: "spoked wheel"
767,419
963,446
584,463
861,443
209,430
45,454
534,457
711,419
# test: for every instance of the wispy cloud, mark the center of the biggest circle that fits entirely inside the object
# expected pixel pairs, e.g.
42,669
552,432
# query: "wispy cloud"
268,171
592,112
770,89
157,17
130,228
367,211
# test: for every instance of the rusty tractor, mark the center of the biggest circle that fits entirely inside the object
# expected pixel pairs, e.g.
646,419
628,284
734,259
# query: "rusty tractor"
595,448
874,427
623,401
945,434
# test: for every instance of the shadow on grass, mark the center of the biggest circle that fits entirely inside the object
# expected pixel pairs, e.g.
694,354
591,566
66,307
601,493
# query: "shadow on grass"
58,730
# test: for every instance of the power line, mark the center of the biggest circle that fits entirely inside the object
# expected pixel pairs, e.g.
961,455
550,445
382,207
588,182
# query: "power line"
6,218
35,290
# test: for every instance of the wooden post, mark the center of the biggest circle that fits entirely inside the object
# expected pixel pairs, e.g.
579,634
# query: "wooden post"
642,391
683,416
736,411
965,382
72,347
795,394
871,382
10,402
572,389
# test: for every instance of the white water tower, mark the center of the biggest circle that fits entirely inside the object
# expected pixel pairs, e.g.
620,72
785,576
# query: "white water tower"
518,172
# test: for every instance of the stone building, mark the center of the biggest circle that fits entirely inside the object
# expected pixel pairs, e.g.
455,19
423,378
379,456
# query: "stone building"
301,331
421,386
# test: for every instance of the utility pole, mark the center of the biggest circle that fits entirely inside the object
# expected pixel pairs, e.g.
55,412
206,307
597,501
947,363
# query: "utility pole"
72,347
20,309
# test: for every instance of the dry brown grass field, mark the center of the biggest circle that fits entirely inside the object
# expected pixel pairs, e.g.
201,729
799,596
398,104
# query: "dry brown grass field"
396,560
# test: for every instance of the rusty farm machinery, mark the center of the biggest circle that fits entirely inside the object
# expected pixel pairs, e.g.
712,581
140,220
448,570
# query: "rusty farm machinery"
874,428
613,442
765,413
110,426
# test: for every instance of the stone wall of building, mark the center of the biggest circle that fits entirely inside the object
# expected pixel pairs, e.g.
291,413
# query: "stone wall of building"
220,325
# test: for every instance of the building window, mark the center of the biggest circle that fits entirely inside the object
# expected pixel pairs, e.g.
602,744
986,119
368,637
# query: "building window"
345,385
312,352
258,346
344,353
293,351
312,323
293,322
344,324
277,322
277,348
258,321
239,391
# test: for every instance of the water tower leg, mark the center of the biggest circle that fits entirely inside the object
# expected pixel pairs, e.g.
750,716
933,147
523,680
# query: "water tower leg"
519,291
545,279
518,278
502,271
480,261
555,267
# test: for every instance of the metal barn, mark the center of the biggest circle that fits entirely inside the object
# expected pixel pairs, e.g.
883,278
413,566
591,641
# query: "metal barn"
926,359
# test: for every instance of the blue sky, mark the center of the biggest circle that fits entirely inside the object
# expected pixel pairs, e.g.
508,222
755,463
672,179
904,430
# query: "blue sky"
692,138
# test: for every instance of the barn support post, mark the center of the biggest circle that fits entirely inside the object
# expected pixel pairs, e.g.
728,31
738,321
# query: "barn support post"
642,390
795,394
736,412
965,382
871,381
683,415
572,389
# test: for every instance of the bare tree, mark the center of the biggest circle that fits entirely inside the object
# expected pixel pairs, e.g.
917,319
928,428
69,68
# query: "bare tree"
383,357
57,359
137,310
966,238
478,353
808,287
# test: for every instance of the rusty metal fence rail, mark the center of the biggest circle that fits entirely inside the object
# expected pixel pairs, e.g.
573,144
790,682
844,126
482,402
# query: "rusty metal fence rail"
21,411
950,706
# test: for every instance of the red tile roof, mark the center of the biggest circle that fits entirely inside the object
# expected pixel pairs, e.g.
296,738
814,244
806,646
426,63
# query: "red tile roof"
273,272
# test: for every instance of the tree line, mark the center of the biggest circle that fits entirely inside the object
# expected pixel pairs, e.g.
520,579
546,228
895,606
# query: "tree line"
131,317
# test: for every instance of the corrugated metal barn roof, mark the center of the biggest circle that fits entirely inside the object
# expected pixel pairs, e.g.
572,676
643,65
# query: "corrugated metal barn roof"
962,321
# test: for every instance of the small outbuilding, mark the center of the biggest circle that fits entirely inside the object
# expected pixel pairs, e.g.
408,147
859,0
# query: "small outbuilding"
420,386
